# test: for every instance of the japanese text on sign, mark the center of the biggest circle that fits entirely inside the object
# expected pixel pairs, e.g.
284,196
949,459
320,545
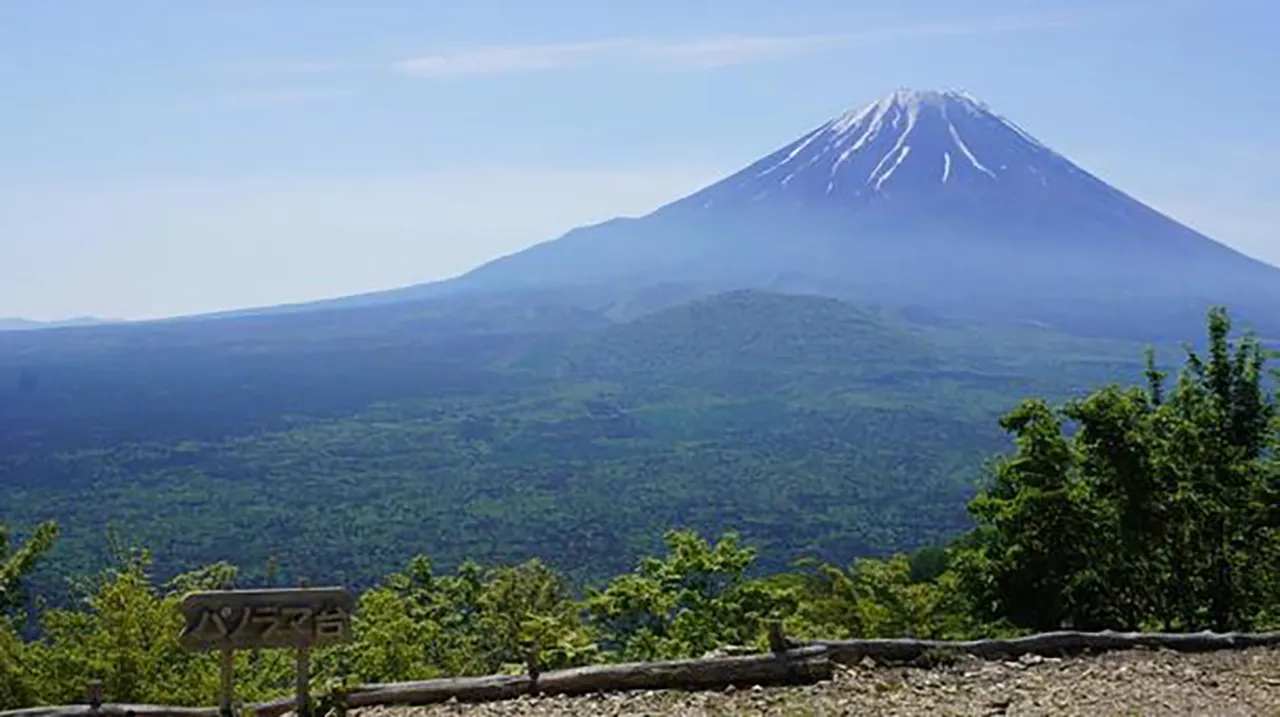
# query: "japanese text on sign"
250,619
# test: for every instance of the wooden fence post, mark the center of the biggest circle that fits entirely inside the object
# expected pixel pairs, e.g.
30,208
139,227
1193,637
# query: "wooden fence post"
228,683
778,642
93,695
303,707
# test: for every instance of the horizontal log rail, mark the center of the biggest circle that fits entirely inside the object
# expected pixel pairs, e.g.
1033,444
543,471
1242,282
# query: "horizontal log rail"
1049,644
804,663
116,710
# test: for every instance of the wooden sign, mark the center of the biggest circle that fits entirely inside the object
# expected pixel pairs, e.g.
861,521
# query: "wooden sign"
255,619
299,618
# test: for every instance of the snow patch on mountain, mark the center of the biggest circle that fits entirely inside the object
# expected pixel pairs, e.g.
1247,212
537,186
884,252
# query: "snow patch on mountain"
964,148
905,142
901,111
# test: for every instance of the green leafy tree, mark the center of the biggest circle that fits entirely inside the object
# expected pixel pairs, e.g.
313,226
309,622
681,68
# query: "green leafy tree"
1038,528
17,687
1156,511
692,601
882,598
17,562
1224,553
126,634
530,614
418,625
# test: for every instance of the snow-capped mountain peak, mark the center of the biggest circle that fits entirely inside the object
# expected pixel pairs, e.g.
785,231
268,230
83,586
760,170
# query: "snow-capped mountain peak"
907,141
908,101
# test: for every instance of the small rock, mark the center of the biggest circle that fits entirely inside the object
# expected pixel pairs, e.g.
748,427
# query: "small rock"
867,663
1031,659
999,706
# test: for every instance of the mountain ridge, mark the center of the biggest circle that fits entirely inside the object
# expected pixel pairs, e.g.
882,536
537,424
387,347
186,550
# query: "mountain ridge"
921,198
20,324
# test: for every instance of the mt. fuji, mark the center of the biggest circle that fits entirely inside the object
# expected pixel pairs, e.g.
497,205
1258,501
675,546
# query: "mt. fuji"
921,199
907,141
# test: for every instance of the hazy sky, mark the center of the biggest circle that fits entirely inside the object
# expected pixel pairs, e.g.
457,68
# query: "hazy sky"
162,157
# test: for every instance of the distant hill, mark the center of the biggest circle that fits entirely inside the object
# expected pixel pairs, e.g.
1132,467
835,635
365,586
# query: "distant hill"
750,331
12,324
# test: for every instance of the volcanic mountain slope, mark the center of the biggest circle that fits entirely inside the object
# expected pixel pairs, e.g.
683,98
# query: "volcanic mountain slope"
923,199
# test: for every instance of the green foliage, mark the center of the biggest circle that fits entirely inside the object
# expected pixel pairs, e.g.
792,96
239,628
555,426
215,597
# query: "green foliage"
16,563
17,686
528,611
1033,561
126,635
1155,512
418,625
881,598
690,602
929,562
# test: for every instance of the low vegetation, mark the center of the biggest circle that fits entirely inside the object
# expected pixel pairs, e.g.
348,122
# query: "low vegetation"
1153,507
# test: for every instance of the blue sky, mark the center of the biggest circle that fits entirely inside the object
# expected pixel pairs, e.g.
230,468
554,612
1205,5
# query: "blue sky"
161,157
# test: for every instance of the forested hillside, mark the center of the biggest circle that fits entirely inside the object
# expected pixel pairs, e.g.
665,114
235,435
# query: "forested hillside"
1147,507
336,446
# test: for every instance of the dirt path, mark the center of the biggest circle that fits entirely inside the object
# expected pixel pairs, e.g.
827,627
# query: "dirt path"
1219,684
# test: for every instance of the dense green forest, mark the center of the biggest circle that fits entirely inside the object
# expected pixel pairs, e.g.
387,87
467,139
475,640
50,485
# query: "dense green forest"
336,445
1144,507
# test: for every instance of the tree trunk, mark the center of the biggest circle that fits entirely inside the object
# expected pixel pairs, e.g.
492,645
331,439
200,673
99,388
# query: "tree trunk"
1046,644
113,710
805,665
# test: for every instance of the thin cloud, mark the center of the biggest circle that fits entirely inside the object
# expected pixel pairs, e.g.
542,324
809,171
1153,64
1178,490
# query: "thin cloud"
232,101
698,53
504,59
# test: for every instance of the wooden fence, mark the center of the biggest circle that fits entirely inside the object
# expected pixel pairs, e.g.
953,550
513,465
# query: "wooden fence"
787,664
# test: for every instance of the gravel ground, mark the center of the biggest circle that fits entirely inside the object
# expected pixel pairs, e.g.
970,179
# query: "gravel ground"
1125,683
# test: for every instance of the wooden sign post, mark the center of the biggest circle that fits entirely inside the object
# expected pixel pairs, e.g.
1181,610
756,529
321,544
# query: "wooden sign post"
230,620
